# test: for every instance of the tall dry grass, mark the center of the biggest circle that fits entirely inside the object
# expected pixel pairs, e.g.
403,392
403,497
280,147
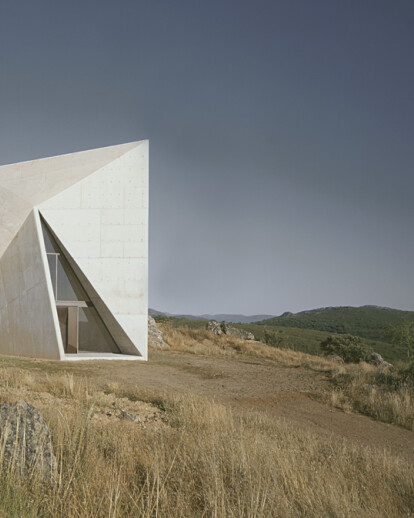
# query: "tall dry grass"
207,462
385,395
210,463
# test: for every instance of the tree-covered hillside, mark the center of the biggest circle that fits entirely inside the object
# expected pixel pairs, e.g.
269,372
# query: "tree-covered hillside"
298,339
366,321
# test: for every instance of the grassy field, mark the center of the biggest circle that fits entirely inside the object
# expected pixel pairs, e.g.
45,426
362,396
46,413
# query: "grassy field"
198,459
367,321
298,339
193,455
385,395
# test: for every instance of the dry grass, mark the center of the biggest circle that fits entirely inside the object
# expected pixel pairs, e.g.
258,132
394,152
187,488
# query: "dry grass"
374,391
200,459
198,341
361,388
206,462
204,342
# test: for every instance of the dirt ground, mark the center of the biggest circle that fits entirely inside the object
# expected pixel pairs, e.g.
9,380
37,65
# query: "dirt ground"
286,393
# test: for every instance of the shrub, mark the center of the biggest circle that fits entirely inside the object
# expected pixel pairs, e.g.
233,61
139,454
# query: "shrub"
407,374
350,348
273,338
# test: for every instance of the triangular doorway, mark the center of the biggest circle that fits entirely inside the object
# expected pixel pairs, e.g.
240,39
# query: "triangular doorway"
82,329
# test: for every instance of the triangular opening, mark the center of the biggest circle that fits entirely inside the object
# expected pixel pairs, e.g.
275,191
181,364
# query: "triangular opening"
82,329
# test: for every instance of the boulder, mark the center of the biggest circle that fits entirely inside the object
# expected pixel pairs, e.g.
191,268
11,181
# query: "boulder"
374,358
155,339
226,329
128,416
238,333
377,359
214,327
26,445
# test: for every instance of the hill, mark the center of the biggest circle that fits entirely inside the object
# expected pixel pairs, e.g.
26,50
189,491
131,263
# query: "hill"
366,321
293,338
220,317
236,319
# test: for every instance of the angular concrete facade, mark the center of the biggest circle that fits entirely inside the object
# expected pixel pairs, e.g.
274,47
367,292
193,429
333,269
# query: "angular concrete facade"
74,255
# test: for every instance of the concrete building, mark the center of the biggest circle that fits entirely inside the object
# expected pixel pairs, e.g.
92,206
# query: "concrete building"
74,255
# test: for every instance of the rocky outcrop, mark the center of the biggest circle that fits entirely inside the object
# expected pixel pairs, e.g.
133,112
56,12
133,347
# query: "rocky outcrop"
155,339
223,328
377,359
215,327
25,439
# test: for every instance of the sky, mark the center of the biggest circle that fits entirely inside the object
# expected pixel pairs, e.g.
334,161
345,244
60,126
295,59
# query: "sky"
281,138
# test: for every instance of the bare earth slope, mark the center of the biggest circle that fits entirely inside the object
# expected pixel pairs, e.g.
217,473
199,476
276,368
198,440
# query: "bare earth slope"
287,393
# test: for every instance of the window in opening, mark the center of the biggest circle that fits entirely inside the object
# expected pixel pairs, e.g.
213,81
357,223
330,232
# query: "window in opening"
92,335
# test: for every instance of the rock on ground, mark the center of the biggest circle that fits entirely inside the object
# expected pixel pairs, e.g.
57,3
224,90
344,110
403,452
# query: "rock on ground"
214,327
25,441
155,339
223,328
377,359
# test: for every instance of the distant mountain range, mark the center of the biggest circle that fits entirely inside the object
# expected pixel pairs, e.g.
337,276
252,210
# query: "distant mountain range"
236,319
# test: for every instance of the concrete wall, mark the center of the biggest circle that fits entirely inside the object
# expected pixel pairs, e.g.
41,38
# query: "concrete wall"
96,204
101,224
28,324
25,185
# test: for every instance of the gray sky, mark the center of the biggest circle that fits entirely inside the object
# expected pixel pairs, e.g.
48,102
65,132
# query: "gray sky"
281,137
